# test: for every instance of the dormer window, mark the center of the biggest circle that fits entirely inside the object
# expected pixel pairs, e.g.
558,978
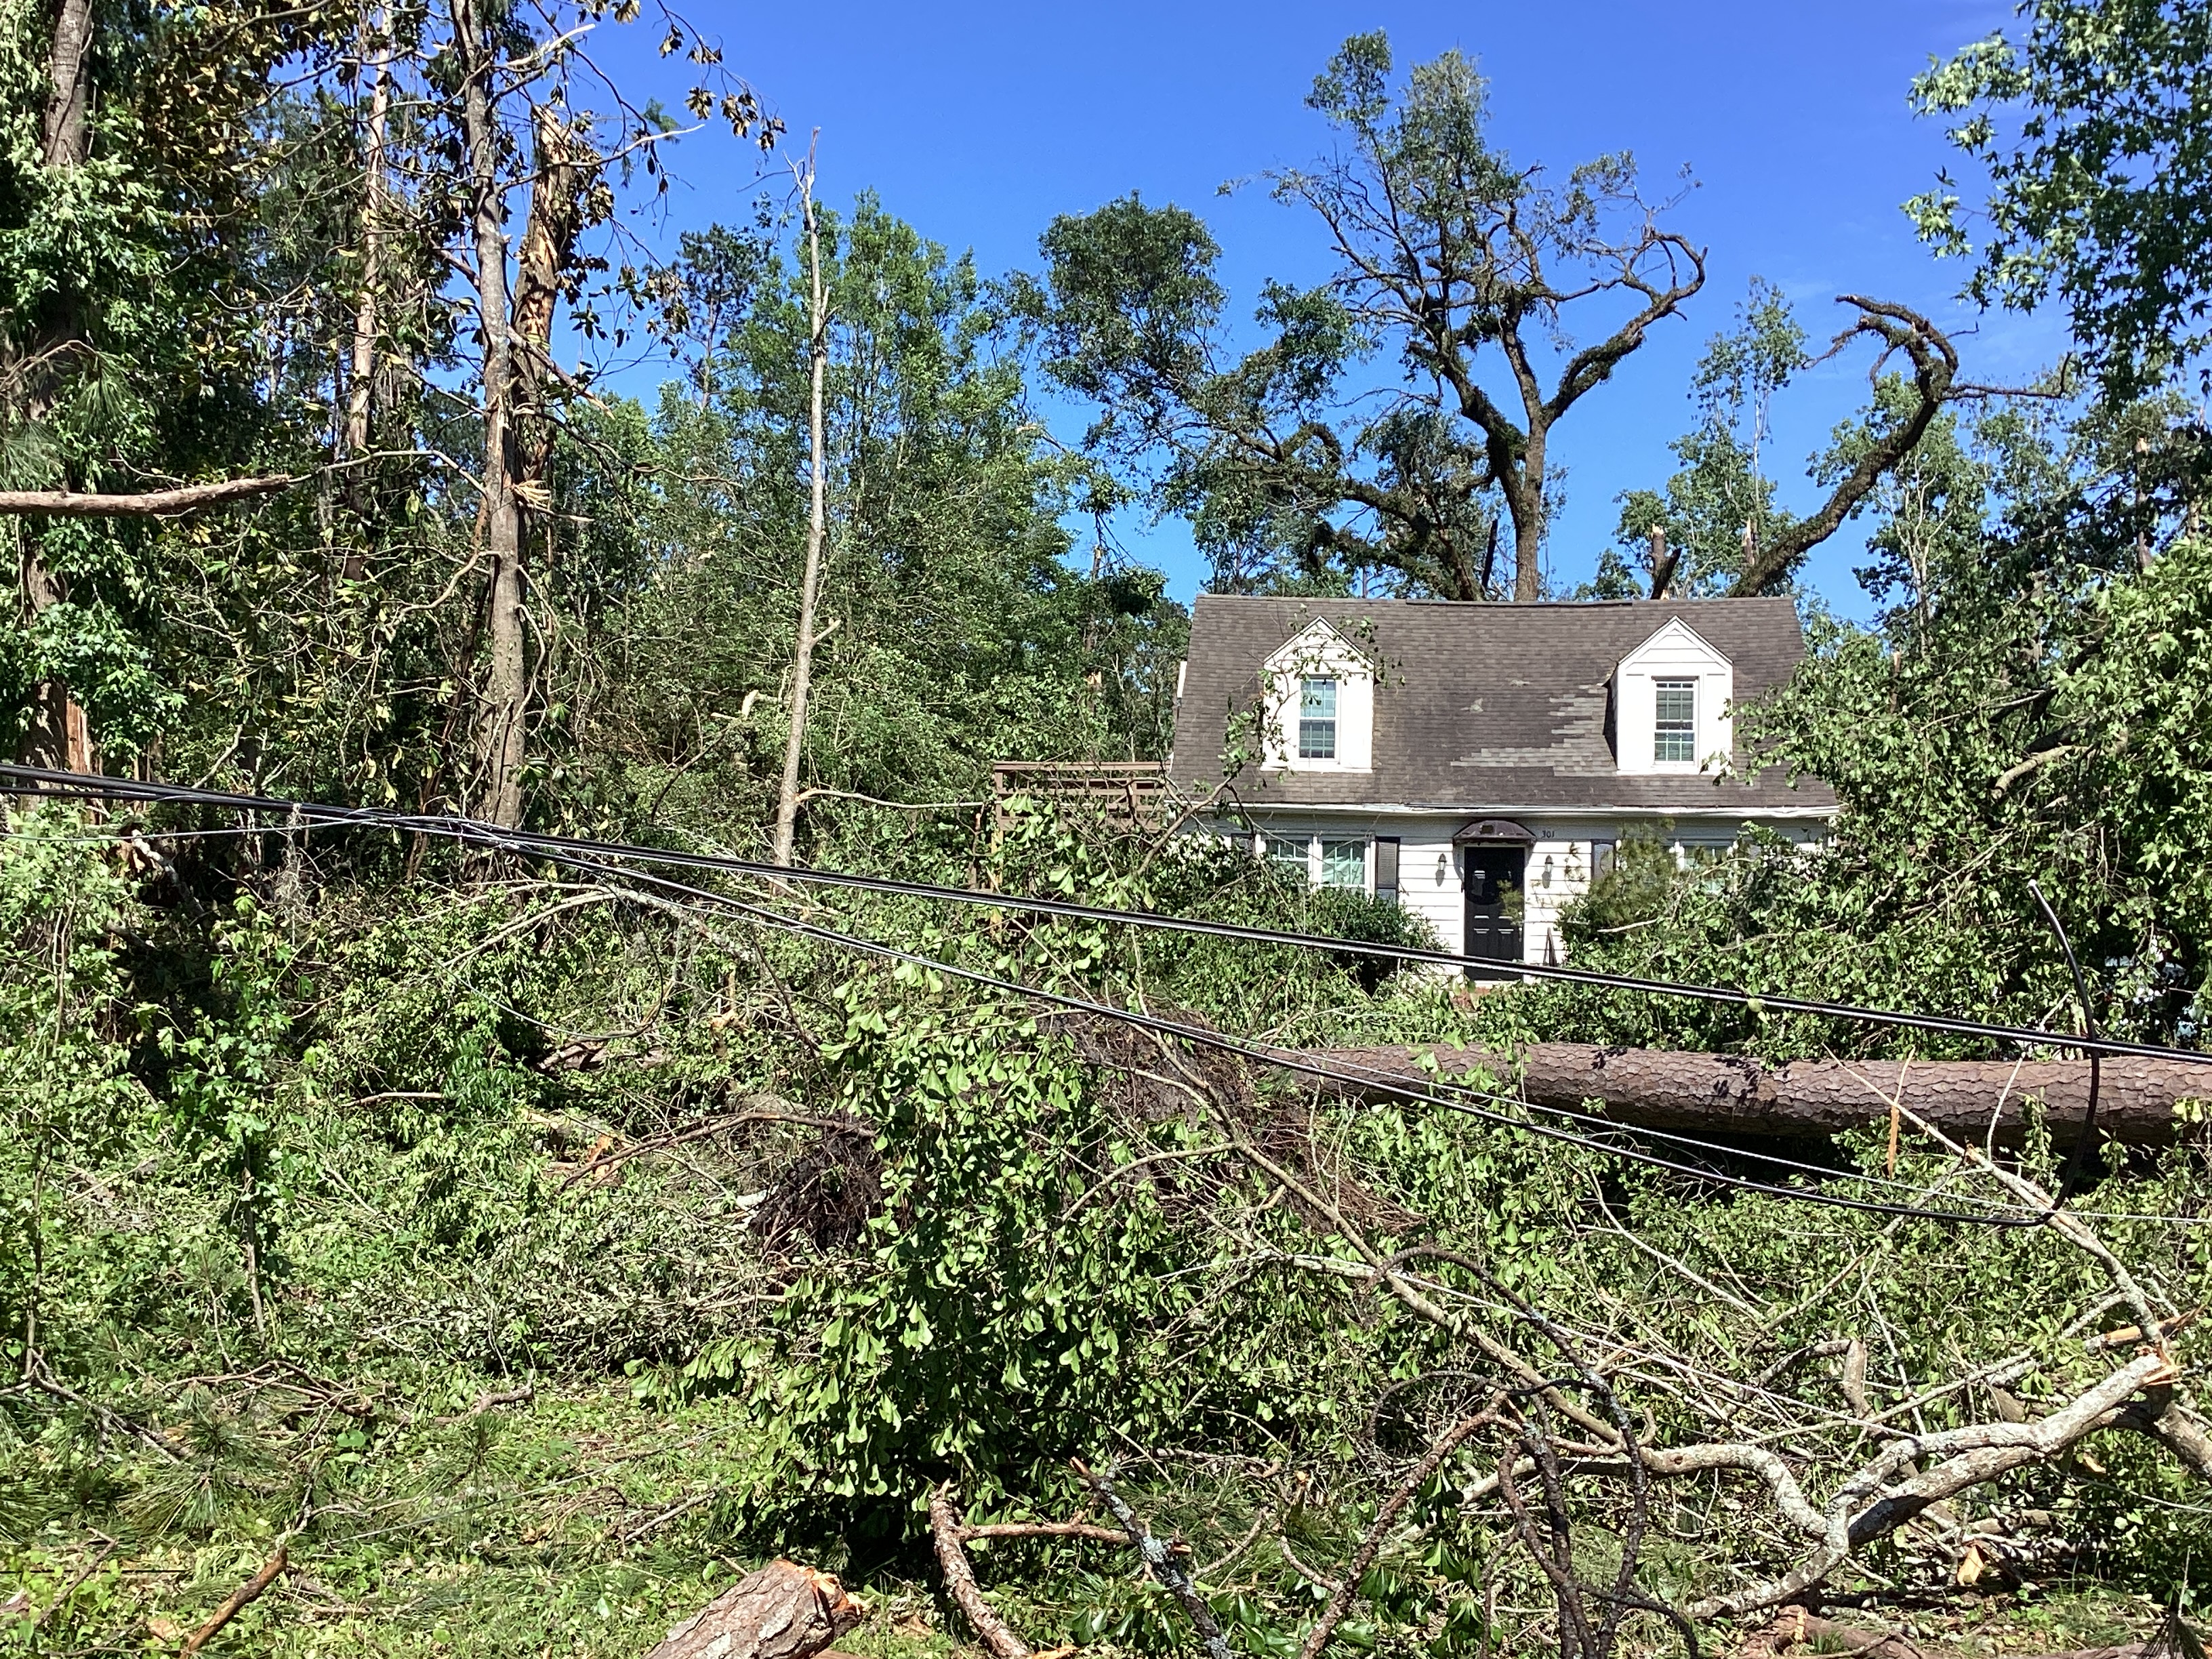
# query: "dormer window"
1671,702
1675,733
1318,718
1318,703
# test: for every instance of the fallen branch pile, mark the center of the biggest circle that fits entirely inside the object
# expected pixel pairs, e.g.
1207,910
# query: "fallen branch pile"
1553,1427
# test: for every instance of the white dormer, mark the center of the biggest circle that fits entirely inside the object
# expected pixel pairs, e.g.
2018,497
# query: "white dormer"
1671,704
1319,704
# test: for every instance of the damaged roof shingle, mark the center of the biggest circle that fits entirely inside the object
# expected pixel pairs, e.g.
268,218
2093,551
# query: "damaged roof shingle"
1485,707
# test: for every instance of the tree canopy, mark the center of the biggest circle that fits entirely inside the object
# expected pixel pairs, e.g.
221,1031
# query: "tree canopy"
1463,269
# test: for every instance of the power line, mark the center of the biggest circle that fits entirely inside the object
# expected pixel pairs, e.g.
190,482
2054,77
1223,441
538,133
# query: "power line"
1340,1072
1289,1060
32,781
1342,1069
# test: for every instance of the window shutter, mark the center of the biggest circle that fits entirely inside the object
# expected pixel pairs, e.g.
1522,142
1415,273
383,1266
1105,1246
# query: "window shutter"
1386,868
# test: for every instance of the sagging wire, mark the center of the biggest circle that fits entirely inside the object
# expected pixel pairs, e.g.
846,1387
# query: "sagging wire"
593,856
35,781
1346,1070
1291,1061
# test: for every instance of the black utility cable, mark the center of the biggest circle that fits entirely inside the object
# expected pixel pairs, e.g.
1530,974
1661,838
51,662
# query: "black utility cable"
1289,1060
1345,1069
468,833
33,781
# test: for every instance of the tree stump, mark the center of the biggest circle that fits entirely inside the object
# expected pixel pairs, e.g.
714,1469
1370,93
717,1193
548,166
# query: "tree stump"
784,1611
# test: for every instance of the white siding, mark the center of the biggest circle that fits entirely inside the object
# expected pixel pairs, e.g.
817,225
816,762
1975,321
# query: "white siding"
1429,881
1559,873
1559,869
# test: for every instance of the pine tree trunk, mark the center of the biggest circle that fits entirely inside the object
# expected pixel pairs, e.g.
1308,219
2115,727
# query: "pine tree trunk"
784,1611
1727,1094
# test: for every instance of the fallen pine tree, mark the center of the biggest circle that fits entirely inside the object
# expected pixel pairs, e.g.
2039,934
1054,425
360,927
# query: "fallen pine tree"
2140,1101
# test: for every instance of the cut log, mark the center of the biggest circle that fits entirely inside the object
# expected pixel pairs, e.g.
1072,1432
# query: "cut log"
1727,1094
784,1611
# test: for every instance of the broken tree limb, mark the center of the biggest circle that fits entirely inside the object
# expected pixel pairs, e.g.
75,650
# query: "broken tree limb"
784,1611
960,1581
1935,363
1799,1628
1875,1501
1386,1516
1867,1506
1048,1529
146,504
2167,1419
1981,1452
1729,1094
240,1598
1159,1558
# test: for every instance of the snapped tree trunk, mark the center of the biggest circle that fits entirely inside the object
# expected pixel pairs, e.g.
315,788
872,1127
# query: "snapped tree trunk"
361,368
518,434
549,249
802,665
784,1611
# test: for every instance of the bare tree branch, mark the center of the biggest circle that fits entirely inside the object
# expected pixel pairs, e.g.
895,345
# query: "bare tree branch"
1935,367
149,504
960,1580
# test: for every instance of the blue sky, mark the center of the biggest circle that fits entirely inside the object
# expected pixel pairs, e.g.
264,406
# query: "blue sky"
977,123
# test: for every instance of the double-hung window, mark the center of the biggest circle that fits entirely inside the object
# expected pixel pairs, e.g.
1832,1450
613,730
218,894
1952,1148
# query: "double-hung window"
1341,864
1318,718
1344,864
1288,855
1675,738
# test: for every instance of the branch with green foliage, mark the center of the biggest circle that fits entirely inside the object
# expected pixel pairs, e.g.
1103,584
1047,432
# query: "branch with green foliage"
2090,128
1448,257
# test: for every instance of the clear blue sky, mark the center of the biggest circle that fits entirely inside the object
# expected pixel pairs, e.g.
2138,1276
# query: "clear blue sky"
977,123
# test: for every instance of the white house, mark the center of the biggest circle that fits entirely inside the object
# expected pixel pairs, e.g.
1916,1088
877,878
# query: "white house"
1479,763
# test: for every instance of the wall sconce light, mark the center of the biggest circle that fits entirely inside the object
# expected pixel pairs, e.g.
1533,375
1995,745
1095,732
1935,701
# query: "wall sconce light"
1547,871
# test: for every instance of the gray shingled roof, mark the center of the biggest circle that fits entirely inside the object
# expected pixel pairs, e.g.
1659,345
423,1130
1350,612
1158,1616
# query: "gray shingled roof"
1483,707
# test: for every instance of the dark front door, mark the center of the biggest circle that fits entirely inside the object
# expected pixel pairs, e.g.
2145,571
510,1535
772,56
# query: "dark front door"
1493,903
